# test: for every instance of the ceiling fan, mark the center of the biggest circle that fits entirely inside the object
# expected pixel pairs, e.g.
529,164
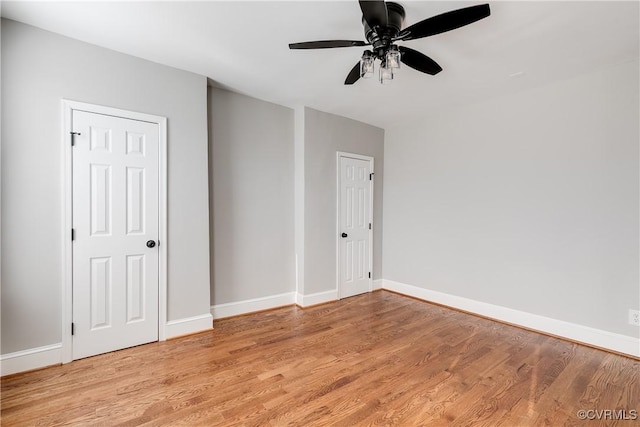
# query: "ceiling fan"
382,23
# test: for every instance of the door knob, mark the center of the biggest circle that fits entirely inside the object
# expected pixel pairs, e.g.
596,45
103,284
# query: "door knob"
344,235
151,243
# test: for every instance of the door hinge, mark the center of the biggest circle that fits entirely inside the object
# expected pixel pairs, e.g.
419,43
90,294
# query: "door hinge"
371,176
73,328
369,226
369,275
73,139
73,234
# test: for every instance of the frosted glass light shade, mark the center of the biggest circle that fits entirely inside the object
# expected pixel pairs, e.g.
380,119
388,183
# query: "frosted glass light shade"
386,73
366,66
393,57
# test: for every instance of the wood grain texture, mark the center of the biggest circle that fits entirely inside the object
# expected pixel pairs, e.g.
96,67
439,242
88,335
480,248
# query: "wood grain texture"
374,359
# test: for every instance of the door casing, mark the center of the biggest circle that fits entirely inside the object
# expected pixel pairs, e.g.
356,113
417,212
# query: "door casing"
370,159
68,107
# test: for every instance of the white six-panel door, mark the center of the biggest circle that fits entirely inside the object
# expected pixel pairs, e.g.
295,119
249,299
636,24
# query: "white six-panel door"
115,222
354,217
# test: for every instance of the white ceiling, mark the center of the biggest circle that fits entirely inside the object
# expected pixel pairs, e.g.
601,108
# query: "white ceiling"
242,46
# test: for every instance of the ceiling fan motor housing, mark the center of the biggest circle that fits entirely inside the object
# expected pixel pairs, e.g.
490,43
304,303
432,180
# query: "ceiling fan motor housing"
380,38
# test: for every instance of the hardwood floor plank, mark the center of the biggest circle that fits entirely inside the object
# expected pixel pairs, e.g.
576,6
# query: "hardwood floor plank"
374,359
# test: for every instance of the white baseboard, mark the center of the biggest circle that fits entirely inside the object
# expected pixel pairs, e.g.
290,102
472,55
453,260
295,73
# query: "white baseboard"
377,284
40,357
317,298
220,311
585,334
32,358
189,325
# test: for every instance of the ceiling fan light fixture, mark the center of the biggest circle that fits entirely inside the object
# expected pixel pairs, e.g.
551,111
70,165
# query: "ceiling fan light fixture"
383,25
366,65
386,73
393,57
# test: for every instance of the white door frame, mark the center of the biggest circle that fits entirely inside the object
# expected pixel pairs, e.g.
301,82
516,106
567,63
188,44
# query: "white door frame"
67,215
339,155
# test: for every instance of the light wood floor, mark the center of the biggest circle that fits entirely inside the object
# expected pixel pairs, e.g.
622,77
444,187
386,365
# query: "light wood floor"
374,359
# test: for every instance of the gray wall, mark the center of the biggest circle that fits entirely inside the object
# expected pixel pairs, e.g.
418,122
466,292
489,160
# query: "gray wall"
40,68
528,202
324,135
251,200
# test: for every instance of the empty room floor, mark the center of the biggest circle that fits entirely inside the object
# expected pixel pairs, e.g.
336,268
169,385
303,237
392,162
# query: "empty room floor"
373,359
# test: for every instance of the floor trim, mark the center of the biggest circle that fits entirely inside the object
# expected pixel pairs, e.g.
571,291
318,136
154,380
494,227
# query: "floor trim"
583,334
48,355
33,358
189,325
220,311
317,298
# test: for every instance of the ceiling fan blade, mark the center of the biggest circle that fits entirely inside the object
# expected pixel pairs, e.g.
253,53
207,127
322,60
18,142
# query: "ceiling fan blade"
445,22
419,61
374,12
326,44
354,75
